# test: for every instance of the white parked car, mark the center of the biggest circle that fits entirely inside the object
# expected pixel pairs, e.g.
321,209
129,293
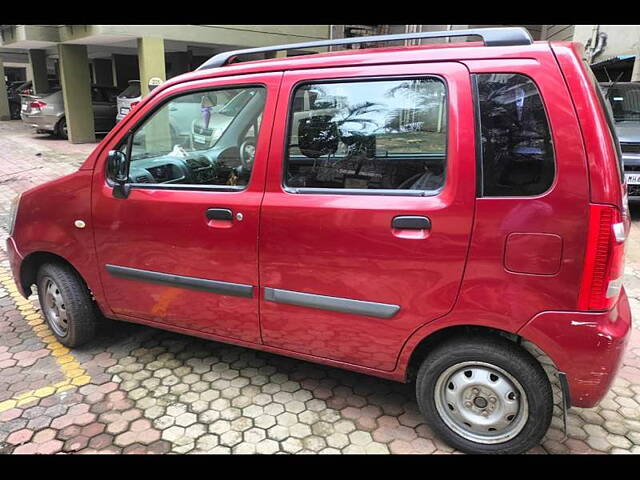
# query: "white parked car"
128,99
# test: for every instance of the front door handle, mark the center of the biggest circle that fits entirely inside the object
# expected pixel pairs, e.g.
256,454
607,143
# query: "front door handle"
411,222
219,214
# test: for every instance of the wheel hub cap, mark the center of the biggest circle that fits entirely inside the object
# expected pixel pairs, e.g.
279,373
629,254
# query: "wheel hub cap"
481,402
54,308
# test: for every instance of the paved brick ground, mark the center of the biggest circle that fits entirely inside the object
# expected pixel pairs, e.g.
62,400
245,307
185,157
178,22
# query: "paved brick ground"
136,389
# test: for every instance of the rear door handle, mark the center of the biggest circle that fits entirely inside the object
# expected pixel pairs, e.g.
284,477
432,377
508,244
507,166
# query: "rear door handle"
219,214
410,222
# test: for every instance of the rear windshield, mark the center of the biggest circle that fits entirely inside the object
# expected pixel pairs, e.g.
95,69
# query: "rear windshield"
132,91
624,100
606,108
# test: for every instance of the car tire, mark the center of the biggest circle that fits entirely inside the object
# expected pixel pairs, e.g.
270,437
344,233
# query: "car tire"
61,129
66,304
485,394
14,111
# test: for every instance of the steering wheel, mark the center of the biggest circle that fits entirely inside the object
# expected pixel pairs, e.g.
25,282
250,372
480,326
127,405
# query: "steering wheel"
248,153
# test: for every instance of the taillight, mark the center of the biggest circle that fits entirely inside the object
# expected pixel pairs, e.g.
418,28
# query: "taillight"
37,105
133,104
604,259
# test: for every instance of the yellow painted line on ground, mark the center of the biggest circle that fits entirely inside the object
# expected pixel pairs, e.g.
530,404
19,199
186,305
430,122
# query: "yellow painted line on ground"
74,374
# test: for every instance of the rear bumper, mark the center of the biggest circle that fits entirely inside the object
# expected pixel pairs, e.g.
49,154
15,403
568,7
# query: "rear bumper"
15,261
587,347
40,122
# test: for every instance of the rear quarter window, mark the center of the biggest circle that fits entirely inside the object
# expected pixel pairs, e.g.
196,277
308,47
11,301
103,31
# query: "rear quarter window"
516,147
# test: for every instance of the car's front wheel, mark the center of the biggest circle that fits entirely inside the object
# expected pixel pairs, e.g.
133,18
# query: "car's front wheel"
485,395
66,304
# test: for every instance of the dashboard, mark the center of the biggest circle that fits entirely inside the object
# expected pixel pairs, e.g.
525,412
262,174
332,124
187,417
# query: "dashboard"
195,169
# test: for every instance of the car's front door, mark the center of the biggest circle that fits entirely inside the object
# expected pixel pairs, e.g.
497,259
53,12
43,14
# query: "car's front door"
181,248
368,209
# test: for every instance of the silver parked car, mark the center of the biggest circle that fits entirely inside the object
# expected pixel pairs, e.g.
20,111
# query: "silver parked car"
624,99
46,113
128,99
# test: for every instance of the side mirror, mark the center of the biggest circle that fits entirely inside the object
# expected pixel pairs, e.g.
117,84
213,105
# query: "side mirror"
117,167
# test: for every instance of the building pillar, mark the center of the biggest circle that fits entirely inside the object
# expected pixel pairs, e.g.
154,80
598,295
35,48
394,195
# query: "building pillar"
39,74
276,54
635,73
5,114
152,64
150,61
103,71
76,89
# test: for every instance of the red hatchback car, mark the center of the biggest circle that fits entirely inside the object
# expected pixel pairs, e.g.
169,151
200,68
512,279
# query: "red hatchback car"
429,213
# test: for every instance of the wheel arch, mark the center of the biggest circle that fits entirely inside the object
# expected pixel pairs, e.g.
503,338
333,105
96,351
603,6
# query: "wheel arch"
434,338
31,264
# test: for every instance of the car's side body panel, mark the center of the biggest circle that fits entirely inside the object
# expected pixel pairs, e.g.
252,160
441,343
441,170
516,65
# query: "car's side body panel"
47,223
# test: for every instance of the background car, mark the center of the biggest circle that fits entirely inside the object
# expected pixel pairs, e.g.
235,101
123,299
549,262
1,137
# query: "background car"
185,114
128,99
624,99
46,112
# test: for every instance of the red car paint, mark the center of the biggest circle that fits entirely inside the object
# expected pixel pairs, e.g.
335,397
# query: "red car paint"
475,266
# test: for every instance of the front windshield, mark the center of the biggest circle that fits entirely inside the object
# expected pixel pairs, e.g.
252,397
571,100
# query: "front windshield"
625,101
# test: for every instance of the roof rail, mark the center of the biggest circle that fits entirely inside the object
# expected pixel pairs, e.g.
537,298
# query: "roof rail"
492,37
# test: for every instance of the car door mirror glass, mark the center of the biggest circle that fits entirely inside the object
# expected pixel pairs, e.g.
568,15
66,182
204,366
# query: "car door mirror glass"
117,166
117,171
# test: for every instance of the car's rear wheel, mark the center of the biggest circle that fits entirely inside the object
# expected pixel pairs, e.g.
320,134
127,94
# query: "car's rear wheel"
66,304
485,395
61,128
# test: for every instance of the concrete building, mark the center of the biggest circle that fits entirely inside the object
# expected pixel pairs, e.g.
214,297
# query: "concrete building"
79,55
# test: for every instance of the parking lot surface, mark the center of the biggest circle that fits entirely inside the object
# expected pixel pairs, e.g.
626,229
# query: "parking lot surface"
135,389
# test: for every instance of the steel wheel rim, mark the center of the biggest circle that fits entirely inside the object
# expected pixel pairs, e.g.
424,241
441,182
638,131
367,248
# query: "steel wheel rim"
64,128
54,308
481,402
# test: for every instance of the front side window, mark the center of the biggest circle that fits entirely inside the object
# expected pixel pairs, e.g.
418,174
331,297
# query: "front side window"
368,135
517,151
197,139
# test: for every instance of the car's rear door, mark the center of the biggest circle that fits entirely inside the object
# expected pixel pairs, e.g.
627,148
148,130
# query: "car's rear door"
368,209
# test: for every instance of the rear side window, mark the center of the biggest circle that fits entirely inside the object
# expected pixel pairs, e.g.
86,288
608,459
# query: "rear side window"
368,135
516,146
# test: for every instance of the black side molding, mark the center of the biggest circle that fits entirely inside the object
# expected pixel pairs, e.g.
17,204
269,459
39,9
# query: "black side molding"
192,283
336,304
